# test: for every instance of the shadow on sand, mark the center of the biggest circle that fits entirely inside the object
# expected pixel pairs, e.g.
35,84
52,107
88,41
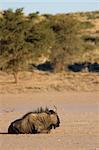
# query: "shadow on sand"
1,133
78,67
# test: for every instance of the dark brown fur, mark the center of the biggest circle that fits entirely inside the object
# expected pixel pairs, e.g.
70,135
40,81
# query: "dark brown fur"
40,121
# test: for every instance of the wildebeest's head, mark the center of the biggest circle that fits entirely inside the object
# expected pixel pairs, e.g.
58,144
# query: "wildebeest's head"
54,119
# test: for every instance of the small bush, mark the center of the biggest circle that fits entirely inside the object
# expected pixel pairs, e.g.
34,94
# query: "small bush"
88,46
86,25
90,38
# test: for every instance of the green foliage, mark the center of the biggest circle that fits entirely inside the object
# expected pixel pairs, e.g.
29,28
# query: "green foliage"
67,41
88,47
23,39
33,15
93,15
41,37
92,39
86,25
14,49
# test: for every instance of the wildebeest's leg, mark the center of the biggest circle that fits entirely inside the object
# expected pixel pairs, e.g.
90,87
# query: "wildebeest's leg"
16,131
44,131
34,131
13,130
47,130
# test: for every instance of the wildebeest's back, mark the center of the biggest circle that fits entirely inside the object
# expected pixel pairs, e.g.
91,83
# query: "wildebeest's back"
41,121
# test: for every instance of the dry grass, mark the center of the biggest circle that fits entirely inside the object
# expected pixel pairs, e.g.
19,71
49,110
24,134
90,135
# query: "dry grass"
32,82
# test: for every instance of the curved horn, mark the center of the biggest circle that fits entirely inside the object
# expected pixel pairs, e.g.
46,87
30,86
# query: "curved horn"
55,108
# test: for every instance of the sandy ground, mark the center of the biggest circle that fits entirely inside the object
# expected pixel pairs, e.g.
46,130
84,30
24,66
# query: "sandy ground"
79,115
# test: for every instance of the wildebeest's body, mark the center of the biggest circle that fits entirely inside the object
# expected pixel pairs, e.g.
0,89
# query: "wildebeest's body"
35,122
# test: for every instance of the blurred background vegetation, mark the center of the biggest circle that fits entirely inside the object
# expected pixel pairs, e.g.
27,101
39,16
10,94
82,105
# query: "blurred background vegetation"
57,41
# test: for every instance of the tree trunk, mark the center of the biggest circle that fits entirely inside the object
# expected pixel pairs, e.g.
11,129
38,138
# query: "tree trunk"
15,77
59,67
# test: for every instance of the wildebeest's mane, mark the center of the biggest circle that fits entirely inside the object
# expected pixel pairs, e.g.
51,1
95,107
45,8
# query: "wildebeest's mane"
39,110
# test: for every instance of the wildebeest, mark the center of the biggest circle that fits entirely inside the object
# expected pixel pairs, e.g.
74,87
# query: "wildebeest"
40,121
